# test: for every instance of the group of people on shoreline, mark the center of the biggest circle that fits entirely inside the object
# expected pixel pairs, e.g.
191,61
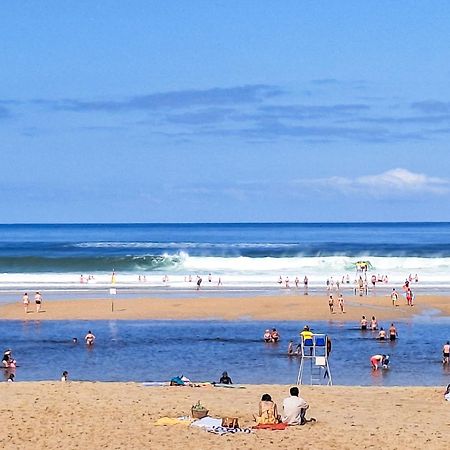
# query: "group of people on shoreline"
286,282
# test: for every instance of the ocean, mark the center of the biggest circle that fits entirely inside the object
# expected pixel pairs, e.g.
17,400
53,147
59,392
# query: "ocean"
165,259
76,261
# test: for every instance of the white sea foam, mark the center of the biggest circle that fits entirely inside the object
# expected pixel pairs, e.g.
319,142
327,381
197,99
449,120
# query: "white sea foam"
249,272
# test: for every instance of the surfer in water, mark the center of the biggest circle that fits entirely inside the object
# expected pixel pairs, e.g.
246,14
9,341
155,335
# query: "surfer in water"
89,338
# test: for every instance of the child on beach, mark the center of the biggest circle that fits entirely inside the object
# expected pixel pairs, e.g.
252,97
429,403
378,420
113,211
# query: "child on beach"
65,376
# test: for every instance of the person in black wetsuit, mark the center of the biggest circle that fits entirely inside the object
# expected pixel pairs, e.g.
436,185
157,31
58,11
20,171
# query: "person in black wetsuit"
225,379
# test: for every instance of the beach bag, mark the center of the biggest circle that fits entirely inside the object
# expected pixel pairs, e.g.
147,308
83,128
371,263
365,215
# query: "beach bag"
230,422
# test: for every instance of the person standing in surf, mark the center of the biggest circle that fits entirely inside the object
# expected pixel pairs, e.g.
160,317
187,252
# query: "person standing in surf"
89,338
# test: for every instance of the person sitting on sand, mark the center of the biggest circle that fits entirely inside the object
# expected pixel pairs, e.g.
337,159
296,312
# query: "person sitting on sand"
294,408
447,393
8,360
11,378
382,334
268,412
363,323
446,352
89,338
225,379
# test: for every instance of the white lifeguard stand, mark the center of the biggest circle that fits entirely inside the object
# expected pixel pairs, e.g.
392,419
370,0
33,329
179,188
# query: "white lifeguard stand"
314,351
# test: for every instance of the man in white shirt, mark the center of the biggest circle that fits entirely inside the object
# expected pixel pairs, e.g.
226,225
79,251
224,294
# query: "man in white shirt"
294,408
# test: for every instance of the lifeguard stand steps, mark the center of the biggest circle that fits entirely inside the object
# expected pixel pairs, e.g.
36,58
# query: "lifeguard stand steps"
314,361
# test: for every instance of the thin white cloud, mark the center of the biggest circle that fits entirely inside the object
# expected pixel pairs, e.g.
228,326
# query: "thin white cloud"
394,181
404,180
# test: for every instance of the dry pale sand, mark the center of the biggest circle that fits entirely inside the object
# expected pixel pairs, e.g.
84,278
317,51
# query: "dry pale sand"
73,415
287,307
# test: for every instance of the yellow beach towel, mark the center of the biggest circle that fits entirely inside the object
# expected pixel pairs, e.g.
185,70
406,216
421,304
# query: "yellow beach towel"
172,421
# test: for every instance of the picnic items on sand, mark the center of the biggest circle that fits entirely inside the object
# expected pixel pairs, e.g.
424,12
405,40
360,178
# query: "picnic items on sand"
198,411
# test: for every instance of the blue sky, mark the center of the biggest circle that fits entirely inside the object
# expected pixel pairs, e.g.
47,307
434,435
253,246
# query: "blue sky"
224,111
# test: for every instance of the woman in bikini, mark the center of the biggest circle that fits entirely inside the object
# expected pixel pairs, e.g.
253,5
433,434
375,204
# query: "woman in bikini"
268,411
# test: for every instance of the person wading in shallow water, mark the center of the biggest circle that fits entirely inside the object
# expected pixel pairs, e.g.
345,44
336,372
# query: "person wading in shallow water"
89,338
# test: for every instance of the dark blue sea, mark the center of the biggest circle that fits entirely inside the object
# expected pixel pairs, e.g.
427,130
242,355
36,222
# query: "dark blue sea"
243,256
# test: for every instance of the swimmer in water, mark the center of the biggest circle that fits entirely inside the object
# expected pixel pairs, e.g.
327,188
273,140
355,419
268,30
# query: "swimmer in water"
392,332
8,360
267,336
364,323
275,336
290,350
374,324
382,334
89,338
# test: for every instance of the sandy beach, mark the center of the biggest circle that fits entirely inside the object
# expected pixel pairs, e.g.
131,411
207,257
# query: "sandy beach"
74,415
291,307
